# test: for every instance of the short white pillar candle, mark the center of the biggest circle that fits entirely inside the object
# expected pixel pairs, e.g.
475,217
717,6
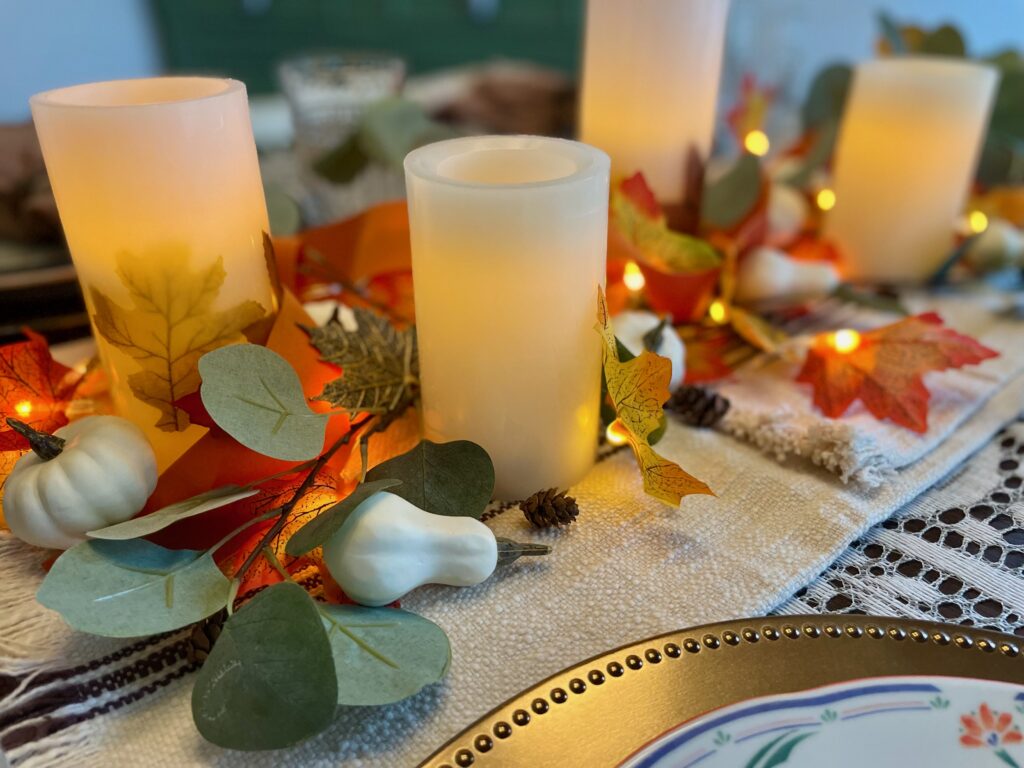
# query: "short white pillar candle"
508,250
651,71
906,154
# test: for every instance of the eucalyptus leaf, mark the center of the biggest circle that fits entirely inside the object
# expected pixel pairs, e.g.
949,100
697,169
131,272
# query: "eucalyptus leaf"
138,527
391,128
254,395
827,96
731,198
892,33
455,478
817,156
343,163
282,211
383,655
322,527
268,682
944,41
134,587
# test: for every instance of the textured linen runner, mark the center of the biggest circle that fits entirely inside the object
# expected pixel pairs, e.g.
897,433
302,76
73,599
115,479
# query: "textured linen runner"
772,411
630,568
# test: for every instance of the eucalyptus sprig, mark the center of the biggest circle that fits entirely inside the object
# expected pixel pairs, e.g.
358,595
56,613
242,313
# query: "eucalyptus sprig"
263,685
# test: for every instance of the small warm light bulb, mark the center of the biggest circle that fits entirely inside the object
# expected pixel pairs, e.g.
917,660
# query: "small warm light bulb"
23,408
718,312
633,277
756,143
977,221
845,341
616,433
826,199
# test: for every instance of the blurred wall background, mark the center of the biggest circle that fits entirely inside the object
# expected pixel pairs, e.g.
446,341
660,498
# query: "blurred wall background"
48,43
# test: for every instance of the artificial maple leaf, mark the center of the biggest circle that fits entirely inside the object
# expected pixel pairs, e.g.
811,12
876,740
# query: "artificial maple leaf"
34,388
751,110
379,362
641,223
170,325
884,370
638,389
706,350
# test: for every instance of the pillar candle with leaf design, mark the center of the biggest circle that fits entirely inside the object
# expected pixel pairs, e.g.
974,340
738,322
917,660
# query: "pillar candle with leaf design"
159,193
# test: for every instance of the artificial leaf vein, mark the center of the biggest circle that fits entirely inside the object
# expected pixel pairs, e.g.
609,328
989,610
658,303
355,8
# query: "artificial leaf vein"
169,325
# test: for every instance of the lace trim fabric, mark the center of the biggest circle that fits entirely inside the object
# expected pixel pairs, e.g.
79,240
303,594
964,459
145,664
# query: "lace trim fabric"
957,562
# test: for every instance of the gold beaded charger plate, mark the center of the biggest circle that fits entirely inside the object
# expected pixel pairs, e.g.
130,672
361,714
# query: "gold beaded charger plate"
788,691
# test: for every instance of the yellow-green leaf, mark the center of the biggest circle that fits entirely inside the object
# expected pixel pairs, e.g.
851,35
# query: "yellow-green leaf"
638,389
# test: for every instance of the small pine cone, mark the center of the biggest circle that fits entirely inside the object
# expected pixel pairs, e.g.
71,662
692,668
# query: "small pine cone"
697,407
546,509
204,635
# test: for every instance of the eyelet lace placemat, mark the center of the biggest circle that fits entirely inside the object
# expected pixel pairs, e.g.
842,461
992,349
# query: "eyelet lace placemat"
956,554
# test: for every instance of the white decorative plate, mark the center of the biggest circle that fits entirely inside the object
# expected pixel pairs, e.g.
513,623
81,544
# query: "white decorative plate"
899,721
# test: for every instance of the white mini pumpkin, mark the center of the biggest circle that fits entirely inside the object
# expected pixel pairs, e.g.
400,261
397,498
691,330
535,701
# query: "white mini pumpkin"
632,325
102,473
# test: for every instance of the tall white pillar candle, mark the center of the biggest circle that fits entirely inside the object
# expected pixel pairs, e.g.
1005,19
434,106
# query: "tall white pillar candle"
508,250
904,161
159,193
651,70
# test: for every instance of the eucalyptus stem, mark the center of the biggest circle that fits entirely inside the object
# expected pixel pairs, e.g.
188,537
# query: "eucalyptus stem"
286,509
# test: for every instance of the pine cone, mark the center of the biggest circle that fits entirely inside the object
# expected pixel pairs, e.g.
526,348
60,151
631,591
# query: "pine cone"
549,508
697,407
204,635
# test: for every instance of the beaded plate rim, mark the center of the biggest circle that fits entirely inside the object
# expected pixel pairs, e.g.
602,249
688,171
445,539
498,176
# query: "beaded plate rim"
476,744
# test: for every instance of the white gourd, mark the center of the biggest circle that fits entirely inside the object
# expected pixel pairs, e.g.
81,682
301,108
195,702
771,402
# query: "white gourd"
102,474
769,275
1000,246
787,212
630,327
388,547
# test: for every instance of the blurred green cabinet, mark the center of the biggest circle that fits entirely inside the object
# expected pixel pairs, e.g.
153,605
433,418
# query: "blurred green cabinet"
246,38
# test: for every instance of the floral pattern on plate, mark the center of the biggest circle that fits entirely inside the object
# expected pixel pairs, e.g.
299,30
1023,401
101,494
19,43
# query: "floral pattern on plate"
898,721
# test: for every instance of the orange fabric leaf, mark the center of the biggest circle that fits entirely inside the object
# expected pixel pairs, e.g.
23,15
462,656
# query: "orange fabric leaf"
34,388
885,369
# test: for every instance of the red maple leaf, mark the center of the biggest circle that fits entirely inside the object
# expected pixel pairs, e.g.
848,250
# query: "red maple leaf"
884,368
34,388
635,190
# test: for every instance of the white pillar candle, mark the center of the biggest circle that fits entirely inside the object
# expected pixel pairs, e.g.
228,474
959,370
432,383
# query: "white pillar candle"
508,250
904,161
651,71
156,181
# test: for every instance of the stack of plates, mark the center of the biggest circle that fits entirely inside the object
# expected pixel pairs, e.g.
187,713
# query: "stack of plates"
38,288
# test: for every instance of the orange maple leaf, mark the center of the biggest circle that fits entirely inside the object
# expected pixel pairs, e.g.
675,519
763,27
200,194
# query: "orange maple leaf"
34,388
884,370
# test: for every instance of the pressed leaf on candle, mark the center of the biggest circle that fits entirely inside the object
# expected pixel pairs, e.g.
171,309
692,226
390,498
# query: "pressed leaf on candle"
379,363
883,368
171,323
638,389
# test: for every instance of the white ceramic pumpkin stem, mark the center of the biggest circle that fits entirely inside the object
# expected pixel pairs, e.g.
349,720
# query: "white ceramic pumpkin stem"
44,445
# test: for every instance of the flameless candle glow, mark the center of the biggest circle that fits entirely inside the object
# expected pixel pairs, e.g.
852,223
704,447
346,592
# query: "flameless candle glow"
508,249
904,161
650,83
159,193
